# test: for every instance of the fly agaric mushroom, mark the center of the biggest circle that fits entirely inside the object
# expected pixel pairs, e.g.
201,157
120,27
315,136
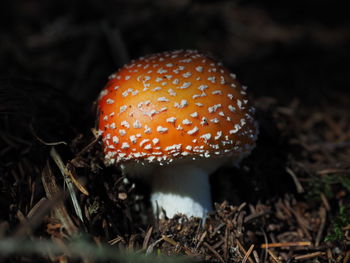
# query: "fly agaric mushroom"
176,117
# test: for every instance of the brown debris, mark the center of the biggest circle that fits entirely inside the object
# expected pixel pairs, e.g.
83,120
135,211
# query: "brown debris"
287,244
59,210
310,255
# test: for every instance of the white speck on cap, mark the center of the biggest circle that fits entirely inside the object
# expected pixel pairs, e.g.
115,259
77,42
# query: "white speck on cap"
188,147
148,147
204,121
199,69
239,104
115,139
217,92
218,135
126,93
150,113
193,131
162,99
125,145
185,85
214,108
222,80
231,108
194,114
196,96
206,136
162,71
103,93
161,129
186,122
123,108
112,76
133,139
181,105
203,87
125,124
187,74
151,158
143,142
109,101
188,60
171,119
147,129
236,129
122,132
137,124
212,79
179,127
172,92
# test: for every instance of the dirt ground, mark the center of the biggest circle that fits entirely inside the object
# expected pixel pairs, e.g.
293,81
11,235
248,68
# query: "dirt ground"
289,201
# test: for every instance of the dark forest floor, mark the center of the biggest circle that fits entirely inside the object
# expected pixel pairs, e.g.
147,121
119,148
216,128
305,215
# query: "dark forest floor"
287,202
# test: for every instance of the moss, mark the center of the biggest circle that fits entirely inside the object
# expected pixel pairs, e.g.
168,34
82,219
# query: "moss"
326,184
337,225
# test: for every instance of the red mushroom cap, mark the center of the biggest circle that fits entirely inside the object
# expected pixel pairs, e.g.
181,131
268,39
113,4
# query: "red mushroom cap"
173,105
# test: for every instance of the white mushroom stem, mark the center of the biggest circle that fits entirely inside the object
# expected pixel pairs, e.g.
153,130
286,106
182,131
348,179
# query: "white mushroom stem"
181,189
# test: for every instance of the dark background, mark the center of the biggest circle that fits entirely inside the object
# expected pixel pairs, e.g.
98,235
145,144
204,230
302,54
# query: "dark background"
283,49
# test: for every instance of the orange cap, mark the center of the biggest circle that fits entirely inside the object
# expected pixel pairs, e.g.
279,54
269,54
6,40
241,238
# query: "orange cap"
173,105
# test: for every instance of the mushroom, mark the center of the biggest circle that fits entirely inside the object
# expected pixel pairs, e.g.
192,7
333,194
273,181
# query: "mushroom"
175,118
